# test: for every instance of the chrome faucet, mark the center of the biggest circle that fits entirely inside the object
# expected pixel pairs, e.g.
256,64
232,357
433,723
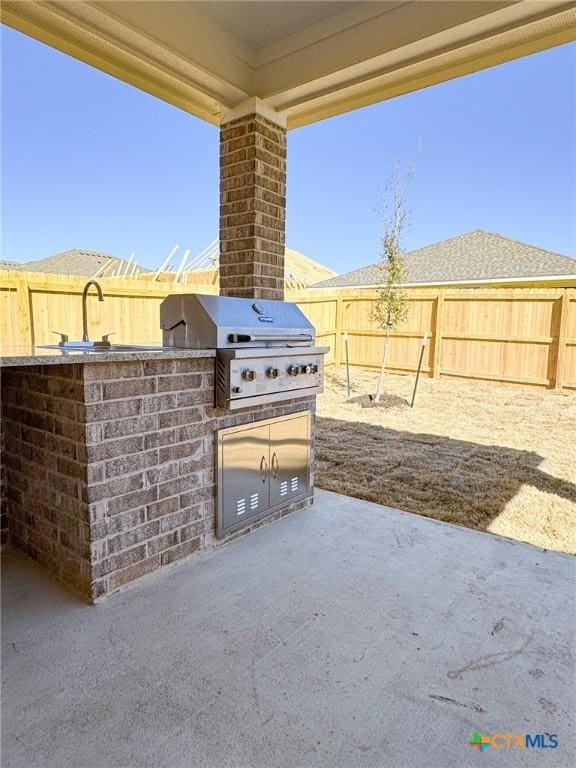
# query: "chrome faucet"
86,344
84,308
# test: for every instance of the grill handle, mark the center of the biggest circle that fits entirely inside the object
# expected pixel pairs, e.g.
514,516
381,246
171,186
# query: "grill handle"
242,338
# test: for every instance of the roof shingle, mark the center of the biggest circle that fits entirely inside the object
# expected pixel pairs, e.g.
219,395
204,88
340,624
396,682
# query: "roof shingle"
77,262
467,258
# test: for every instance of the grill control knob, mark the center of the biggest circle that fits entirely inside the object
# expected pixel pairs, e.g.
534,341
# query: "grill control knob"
293,370
248,375
306,369
272,373
314,369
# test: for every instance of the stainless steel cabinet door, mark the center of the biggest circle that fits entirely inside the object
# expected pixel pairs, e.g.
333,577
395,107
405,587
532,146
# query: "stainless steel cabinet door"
245,478
289,457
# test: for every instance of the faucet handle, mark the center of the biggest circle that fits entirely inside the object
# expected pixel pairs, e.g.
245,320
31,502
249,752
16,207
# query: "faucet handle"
105,335
63,337
105,343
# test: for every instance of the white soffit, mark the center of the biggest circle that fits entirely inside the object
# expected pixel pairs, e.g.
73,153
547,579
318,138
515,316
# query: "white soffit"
305,61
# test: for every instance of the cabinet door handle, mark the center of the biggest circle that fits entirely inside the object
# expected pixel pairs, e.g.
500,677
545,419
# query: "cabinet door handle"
263,469
275,465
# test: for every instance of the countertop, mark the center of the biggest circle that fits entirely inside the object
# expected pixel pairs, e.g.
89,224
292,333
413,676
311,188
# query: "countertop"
12,356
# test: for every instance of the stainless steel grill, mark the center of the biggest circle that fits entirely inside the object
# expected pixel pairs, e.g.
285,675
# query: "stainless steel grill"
265,349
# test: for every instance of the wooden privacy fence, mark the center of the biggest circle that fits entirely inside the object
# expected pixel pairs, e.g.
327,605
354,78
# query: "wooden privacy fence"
33,305
523,336
517,335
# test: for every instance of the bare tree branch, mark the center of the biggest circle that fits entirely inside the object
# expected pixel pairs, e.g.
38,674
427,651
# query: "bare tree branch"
391,306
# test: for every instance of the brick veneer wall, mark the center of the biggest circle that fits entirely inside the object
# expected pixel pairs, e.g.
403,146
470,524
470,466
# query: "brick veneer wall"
111,466
3,500
252,208
44,468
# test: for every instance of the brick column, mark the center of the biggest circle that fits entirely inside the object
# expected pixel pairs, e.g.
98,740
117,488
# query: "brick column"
252,207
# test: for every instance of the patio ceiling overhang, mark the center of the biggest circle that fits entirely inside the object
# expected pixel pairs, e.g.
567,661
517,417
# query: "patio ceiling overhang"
299,62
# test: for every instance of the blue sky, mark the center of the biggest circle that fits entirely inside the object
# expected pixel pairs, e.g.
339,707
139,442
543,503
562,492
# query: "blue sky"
90,162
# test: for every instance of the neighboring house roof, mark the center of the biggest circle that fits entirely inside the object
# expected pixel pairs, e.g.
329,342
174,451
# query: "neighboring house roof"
10,265
78,262
299,270
475,256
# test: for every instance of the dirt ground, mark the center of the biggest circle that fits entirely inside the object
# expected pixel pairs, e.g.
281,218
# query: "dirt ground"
501,459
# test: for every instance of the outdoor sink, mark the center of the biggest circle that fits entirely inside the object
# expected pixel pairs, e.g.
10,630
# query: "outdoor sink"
103,345
88,347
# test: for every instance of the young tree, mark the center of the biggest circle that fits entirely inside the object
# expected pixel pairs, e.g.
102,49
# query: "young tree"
391,308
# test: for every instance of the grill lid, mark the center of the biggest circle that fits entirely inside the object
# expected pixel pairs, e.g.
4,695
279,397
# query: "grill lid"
215,322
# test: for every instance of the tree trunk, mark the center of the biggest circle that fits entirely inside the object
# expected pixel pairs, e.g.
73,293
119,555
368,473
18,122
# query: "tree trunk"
383,366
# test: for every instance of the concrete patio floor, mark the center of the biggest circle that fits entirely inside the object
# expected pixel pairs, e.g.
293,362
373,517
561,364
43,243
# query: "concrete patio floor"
346,635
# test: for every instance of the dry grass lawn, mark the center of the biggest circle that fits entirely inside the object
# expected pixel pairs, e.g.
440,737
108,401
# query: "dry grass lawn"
493,458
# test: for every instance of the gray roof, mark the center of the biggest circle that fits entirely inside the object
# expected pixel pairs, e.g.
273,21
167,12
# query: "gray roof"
467,258
76,262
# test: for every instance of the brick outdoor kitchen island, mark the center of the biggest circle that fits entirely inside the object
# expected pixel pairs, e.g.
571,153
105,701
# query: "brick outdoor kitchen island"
108,461
109,458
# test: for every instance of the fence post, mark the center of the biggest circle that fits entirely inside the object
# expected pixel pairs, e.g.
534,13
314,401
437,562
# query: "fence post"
560,356
23,314
437,335
339,321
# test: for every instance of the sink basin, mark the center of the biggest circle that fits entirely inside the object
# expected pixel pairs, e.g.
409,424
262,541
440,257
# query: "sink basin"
83,347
